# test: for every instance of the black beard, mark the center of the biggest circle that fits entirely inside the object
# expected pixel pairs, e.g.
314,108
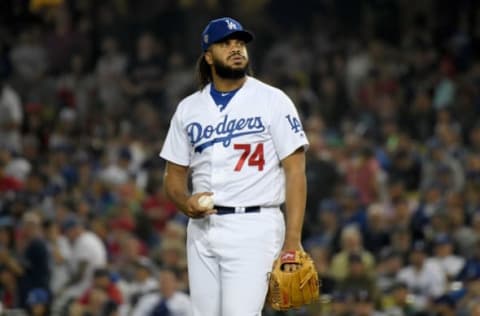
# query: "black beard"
226,72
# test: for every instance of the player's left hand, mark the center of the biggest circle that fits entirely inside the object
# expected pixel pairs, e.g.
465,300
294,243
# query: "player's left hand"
293,288
290,267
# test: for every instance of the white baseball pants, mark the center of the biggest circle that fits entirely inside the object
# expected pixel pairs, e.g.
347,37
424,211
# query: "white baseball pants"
229,259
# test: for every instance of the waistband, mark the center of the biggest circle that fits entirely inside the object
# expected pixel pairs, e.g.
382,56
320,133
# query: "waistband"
224,210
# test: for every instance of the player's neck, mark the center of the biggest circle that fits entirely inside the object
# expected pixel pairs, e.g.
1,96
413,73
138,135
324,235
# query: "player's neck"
225,85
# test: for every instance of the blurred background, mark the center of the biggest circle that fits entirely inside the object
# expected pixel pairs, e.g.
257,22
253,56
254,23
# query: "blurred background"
389,93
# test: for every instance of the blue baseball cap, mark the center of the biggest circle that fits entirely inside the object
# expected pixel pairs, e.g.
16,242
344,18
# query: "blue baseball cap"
221,28
442,239
69,222
37,296
445,300
419,245
471,272
6,221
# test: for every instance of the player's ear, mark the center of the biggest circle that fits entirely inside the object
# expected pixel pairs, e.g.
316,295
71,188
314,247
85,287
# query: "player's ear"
208,57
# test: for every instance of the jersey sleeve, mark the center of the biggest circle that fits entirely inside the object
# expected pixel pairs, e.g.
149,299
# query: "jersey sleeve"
286,127
176,147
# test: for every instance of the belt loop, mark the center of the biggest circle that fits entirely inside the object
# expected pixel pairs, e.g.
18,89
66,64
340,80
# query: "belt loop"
239,209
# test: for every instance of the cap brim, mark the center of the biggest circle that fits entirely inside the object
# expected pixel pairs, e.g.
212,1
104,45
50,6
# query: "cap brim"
243,35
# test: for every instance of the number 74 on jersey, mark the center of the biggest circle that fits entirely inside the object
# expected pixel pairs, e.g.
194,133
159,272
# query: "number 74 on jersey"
253,159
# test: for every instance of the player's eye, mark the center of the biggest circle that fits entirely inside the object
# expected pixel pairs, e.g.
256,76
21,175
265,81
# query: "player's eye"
238,42
232,42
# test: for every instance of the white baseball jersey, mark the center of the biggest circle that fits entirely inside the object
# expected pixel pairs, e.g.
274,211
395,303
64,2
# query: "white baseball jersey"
236,153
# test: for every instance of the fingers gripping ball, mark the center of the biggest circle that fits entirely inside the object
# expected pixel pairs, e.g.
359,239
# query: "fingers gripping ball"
206,201
293,289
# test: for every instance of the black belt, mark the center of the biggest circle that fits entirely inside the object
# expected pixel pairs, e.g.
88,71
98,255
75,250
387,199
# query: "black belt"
223,210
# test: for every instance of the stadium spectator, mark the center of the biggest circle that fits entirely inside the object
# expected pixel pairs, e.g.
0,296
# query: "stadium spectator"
12,116
352,211
76,87
400,303
358,278
325,229
424,278
29,59
34,263
351,240
110,68
88,254
102,281
363,173
60,252
38,302
443,255
146,71
143,282
388,265
8,183
168,301
364,304
341,304
376,236
158,209
63,41
444,305
9,289
321,257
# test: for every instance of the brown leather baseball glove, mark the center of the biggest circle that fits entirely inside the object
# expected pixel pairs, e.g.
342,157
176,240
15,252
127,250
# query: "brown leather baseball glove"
293,289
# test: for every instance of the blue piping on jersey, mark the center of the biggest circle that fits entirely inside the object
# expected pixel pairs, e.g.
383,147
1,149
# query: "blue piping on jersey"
226,140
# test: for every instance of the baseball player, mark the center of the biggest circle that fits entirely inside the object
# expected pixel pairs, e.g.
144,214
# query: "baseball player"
243,144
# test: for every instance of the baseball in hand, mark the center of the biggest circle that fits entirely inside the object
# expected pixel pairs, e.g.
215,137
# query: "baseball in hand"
206,201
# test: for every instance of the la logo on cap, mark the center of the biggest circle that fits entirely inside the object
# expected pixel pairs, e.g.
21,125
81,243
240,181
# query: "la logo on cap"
231,25
221,28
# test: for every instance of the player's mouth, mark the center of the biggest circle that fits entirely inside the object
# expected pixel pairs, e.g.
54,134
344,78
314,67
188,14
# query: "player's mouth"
237,58
238,61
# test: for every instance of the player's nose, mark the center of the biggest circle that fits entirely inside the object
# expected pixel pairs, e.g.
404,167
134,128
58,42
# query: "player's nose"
235,44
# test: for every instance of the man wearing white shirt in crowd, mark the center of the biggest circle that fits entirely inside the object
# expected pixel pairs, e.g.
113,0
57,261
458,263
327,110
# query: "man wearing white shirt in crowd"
424,278
87,254
450,263
167,301
60,249
11,116
143,283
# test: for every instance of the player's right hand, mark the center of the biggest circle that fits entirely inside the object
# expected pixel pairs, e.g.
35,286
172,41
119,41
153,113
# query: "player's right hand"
194,210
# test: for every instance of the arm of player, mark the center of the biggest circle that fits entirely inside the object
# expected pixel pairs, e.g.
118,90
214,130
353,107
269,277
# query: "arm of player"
176,189
295,201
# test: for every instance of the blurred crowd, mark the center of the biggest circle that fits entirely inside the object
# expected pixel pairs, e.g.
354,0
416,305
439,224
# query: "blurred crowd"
389,93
